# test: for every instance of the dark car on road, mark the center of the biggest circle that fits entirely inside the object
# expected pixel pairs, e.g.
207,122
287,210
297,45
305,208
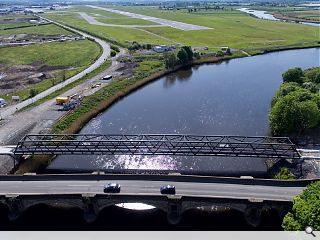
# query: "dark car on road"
112,188
168,189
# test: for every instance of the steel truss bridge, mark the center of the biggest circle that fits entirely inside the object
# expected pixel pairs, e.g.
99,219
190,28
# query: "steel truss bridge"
156,144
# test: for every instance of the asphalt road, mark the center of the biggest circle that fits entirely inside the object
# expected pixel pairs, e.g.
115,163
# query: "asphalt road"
144,187
161,21
8,111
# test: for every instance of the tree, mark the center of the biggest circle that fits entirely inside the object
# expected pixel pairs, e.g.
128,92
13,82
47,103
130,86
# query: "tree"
294,113
284,90
305,211
293,75
170,59
64,77
189,51
313,74
182,56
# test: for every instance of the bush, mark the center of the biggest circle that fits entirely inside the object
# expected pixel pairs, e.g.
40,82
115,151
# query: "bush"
219,54
293,75
285,174
305,211
113,53
33,92
114,48
197,55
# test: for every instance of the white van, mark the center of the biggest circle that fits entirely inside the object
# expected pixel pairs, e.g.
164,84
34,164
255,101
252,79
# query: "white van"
107,77
3,102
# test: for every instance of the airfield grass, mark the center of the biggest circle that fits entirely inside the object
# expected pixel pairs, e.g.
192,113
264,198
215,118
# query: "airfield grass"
229,28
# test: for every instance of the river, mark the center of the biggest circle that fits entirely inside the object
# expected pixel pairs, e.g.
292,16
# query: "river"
268,16
229,98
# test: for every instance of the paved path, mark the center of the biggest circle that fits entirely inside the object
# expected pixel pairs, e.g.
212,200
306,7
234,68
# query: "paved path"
8,111
161,21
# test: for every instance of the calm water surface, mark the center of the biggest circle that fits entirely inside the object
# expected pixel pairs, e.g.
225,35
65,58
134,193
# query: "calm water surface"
230,98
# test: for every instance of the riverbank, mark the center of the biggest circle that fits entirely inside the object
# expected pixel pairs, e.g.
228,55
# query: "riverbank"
298,20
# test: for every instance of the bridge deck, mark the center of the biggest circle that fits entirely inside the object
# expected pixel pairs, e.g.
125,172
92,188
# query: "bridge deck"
180,145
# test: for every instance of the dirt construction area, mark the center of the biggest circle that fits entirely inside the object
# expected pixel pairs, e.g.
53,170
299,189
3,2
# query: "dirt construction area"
19,76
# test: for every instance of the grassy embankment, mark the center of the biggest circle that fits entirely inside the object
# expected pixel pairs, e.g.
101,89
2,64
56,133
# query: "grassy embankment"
71,57
229,28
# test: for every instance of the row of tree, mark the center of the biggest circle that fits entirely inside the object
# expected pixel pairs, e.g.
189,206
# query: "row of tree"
296,105
184,55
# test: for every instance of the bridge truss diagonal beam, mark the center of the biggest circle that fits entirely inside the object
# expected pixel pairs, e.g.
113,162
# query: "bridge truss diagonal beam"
157,144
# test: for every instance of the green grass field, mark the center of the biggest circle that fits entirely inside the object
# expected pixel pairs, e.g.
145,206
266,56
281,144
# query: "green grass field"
229,28
47,29
70,54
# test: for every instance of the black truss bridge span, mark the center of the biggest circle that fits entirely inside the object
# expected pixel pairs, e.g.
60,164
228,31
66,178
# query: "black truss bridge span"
157,144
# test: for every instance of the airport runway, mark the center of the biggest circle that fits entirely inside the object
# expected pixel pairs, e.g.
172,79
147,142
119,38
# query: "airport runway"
161,21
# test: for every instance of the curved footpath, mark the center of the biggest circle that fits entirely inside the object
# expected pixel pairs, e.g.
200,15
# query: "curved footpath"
105,54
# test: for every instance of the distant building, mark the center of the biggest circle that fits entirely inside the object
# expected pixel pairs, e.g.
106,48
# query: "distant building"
226,50
161,48
33,11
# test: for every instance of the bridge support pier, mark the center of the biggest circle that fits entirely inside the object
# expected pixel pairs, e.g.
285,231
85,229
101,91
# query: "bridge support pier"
90,212
15,208
174,212
253,215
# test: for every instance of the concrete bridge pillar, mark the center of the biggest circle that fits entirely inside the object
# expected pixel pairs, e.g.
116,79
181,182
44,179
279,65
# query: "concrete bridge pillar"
252,215
16,208
90,212
174,211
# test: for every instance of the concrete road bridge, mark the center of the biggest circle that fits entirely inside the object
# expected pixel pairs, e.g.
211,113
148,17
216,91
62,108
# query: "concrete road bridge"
250,196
